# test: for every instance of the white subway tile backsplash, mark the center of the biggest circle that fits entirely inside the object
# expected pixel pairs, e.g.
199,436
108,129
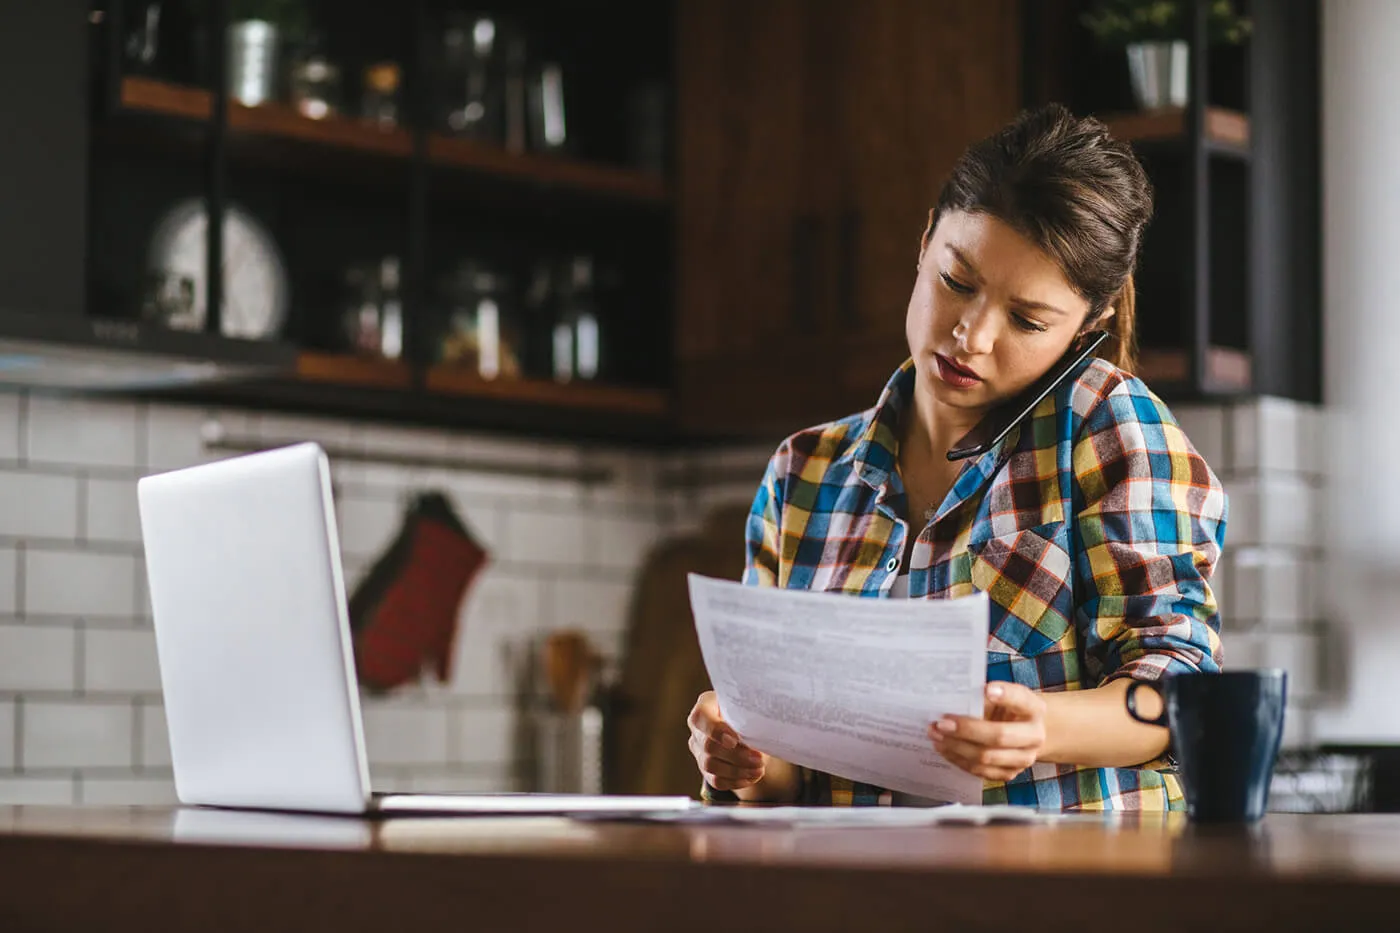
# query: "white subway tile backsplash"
120,660
1298,653
9,580
36,791
367,526
1274,434
1204,426
556,536
591,604
154,750
7,734
77,583
1275,588
1222,584
10,405
401,733
77,734
112,513
85,432
174,437
276,429
623,541
1273,510
497,620
486,736
38,505
128,791
37,657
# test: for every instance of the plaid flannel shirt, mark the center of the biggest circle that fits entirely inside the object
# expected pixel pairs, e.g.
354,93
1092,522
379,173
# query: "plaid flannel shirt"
1094,528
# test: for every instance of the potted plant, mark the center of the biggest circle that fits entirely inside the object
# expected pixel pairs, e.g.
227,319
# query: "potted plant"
1153,32
257,28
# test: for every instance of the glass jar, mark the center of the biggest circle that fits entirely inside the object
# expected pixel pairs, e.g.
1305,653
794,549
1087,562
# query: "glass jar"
360,318
471,78
315,85
380,104
576,334
483,330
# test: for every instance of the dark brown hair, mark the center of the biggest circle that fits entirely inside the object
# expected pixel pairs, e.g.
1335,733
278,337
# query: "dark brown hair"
1073,190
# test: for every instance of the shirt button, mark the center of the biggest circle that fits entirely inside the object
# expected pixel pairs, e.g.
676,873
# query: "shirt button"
892,564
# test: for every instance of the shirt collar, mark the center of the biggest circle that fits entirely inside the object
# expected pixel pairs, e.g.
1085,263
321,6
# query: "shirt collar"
875,454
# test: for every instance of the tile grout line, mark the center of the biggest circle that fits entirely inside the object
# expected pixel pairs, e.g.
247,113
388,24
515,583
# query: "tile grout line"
23,445
80,658
84,494
138,756
19,735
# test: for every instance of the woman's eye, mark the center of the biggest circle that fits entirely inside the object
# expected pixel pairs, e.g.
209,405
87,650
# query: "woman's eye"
1026,324
955,285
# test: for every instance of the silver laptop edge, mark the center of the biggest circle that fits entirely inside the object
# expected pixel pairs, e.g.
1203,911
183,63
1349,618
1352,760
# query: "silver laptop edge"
254,646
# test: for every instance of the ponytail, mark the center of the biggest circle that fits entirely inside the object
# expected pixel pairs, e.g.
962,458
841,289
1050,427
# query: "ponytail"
1121,351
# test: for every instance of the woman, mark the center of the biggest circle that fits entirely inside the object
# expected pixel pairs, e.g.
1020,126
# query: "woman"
1094,526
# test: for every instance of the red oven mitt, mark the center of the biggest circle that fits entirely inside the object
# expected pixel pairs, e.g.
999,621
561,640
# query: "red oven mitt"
403,614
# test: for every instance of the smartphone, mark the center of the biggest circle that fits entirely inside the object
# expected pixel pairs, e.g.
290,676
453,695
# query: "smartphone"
991,429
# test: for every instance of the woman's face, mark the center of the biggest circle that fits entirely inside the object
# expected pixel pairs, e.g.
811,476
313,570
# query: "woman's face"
990,313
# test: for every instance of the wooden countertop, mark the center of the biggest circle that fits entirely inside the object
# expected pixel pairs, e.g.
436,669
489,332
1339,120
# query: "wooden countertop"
81,868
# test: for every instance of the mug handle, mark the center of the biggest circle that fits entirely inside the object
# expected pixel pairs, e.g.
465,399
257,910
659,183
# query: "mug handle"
1131,700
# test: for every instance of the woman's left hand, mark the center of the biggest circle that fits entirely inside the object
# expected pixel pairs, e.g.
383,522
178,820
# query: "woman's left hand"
1007,741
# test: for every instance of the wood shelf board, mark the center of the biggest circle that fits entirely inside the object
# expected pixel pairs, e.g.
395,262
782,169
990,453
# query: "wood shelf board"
282,122
448,380
1227,369
276,121
151,96
549,171
1228,129
349,370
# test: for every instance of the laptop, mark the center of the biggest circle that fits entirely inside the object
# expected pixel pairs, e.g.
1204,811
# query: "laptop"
253,641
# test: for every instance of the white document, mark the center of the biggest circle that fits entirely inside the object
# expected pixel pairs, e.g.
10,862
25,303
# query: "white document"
846,685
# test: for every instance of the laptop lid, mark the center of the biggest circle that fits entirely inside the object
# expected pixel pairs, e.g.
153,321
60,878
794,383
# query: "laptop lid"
252,633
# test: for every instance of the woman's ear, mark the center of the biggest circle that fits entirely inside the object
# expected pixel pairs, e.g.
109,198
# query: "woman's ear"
1098,322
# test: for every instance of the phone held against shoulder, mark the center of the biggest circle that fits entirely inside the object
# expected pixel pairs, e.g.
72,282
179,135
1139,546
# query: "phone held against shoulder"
992,429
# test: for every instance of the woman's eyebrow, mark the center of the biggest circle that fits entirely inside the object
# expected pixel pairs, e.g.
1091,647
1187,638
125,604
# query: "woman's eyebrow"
1017,301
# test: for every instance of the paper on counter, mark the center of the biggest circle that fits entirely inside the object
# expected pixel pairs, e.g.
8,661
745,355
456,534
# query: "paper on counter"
845,685
953,814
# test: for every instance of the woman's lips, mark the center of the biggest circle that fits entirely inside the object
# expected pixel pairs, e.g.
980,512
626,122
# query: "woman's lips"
960,377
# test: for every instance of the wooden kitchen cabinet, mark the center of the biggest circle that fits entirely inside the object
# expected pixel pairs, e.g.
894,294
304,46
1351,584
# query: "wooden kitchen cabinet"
813,138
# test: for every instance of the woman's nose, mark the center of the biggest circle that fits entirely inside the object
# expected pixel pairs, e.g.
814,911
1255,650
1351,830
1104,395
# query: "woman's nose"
976,332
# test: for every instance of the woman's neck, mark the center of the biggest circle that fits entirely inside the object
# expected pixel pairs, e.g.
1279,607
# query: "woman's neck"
932,428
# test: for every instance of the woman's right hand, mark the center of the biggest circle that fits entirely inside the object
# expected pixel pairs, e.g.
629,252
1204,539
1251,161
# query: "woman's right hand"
725,762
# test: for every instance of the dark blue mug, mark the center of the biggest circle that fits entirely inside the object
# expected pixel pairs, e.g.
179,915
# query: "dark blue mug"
1225,733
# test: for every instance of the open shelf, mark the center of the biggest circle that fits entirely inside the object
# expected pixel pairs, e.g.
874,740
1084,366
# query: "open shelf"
347,370
281,122
449,380
358,372
1228,370
1227,131
145,95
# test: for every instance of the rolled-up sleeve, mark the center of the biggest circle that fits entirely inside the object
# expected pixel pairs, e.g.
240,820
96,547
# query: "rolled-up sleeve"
1151,525
761,532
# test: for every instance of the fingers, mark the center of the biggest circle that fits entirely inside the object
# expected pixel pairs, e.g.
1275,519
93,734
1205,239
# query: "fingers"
705,718
1008,701
725,774
994,764
1017,734
725,761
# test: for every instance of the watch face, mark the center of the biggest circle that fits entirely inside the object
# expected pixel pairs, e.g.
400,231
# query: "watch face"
255,280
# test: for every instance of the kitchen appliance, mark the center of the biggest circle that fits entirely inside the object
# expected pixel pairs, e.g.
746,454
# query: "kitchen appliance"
254,646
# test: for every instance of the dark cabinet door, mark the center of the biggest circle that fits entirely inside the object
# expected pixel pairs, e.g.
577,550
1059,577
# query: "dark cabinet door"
813,138
43,159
